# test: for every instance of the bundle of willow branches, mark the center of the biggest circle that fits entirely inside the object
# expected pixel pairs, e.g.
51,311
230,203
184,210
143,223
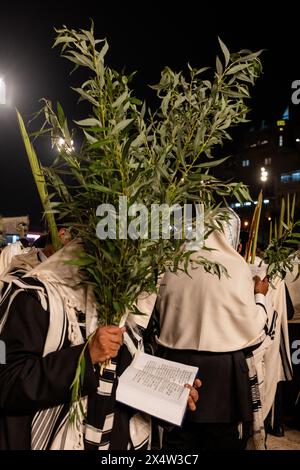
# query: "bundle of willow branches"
151,158
283,241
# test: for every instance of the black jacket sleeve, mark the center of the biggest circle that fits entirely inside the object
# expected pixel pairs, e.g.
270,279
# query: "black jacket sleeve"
29,381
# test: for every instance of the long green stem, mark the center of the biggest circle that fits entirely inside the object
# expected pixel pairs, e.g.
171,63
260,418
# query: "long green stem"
254,246
281,219
40,182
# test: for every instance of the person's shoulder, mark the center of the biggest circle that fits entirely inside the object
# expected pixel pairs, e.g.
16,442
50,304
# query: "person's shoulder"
28,290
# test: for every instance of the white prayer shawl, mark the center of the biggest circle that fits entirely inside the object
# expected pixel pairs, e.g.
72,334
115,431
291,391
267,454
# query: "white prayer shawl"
256,366
270,362
205,313
8,254
26,261
277,359
294,290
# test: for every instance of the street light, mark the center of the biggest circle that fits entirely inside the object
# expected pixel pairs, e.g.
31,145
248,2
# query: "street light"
61,145
2,91
263,174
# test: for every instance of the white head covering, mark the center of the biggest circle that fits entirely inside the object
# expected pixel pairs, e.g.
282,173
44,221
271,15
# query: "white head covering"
201,312
232,228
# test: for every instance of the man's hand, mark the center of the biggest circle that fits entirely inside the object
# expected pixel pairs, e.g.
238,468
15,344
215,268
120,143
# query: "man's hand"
194,395
106,343
261,286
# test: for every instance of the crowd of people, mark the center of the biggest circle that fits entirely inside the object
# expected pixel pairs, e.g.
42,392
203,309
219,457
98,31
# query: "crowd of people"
235,329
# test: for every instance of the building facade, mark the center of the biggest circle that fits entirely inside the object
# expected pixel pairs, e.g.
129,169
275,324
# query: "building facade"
268,159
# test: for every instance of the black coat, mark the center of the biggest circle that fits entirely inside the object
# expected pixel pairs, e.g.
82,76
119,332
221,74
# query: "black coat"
28,381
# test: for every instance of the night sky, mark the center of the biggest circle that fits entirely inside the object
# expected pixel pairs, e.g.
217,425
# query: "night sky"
144,36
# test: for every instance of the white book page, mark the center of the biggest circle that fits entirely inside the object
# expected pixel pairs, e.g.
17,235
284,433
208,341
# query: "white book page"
260,271
156,386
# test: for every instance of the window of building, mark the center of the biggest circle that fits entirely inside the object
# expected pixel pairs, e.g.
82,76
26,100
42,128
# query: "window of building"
268,161
245,162
291,177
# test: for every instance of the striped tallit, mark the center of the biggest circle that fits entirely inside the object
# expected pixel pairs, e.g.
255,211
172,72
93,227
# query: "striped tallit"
60,292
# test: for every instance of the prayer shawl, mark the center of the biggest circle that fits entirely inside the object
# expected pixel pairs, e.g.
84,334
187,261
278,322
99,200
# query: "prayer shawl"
8,254
21,264
278,365
64,296
205,313
294,290
256,365
199,311
27,261
271,362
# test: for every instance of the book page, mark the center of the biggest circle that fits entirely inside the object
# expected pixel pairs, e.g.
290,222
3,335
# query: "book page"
164,378
259,271
156,386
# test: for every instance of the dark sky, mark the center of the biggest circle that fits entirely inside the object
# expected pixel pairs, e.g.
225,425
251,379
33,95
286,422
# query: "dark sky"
143,36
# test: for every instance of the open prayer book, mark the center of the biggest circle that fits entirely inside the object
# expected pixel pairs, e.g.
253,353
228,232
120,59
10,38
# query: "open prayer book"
156,386
257,270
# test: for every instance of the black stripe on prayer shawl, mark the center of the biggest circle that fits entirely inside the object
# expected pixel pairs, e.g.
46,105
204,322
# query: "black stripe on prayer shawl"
24,286
101,407
264,307
100,412
142,445
256,402
8,288
43,427
18,272
267,319
288,371
64,332
272,328
258,437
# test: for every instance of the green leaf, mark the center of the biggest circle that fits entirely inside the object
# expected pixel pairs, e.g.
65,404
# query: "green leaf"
225,52
121,126
100,188
89,122
90,138
219,66
213,163
237,68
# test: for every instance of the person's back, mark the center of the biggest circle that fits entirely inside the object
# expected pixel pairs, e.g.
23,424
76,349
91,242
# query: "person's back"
203,312
212,323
